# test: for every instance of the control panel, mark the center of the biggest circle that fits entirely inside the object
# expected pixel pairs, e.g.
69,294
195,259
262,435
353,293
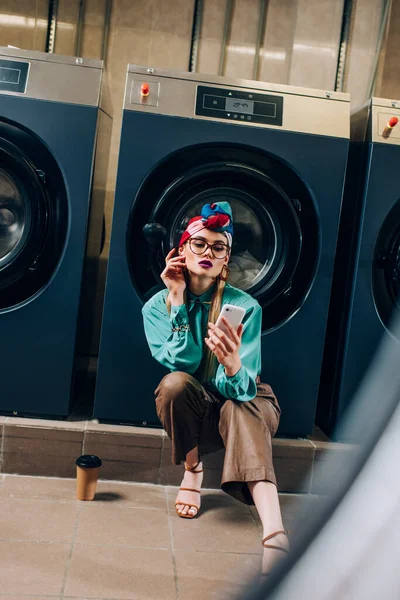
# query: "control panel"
13,76
239,105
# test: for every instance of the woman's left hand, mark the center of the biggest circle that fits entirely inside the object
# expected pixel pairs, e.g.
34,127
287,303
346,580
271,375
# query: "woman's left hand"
226,347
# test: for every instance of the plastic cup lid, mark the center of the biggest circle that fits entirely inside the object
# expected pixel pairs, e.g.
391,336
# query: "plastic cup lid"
88,461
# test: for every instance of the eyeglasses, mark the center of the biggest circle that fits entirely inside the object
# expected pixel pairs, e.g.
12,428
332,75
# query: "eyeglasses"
200,246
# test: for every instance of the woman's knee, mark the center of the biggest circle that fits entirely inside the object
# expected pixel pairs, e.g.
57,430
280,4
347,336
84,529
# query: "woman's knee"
258,412
173,386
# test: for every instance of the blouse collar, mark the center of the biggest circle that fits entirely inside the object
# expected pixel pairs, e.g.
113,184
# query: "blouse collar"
204,299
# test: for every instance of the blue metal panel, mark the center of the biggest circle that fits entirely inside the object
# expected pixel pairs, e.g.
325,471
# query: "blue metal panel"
291,354
37,339
365,329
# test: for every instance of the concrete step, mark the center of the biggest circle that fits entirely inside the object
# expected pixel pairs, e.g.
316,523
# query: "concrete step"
142,455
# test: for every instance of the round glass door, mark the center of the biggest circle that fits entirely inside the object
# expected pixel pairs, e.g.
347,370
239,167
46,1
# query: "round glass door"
256,242
386,267
33,215
276,235
15,217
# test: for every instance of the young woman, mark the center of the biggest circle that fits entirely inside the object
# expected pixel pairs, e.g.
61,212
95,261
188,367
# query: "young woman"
212,397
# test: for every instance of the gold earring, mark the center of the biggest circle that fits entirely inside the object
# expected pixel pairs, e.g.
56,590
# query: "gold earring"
224,273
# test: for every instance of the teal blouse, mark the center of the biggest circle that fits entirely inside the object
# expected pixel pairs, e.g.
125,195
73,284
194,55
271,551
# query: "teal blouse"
176,339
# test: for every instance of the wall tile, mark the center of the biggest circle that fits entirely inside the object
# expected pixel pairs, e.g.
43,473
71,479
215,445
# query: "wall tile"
25,8
95,12
362,49
239,61
92,39
133,14
276,51
174,16
65,39
67,18
18,23
21,35
390,87
316,43
169,51
212,26
42,9
274,65
208,57
128,46
39,41
245,20
68,11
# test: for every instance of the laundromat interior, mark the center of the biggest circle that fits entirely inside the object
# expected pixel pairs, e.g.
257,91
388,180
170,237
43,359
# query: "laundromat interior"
119,119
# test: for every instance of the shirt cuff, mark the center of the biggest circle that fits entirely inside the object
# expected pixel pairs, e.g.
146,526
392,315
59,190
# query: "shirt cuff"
179,318
237,378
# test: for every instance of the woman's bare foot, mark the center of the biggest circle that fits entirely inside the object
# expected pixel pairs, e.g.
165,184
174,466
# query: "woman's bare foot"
193,480
272,556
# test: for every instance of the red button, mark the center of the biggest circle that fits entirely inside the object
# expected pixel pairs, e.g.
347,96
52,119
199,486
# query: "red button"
145,89
389,126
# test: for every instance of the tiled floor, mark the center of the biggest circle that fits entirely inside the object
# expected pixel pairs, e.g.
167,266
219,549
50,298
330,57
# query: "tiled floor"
127,544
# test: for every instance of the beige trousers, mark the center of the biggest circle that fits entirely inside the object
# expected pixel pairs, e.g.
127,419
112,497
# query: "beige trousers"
192,416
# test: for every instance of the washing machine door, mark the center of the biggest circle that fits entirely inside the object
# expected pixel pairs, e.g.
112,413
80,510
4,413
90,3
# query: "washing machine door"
33,215
276,236
386,268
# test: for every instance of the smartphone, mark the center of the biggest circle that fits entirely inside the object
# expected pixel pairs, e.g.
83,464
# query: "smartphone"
233,314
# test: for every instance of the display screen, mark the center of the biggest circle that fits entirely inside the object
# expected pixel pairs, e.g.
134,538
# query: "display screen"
13,75
240,105
8,75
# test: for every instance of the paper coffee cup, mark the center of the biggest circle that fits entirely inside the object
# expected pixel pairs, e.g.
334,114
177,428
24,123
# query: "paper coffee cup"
87,474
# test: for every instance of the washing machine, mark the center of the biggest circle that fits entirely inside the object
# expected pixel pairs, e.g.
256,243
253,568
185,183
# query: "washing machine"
49,118
366,285
278,155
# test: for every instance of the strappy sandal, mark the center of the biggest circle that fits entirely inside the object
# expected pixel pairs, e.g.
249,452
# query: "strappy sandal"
273,547
188,516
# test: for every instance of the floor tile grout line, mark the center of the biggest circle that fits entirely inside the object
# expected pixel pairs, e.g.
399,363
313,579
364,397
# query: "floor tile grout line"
143,484
161,461
26,541
176,580
75,503
67,567
43,596
162,549
2,446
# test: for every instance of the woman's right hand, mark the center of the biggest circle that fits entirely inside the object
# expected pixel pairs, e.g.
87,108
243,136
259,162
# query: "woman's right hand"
173,275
